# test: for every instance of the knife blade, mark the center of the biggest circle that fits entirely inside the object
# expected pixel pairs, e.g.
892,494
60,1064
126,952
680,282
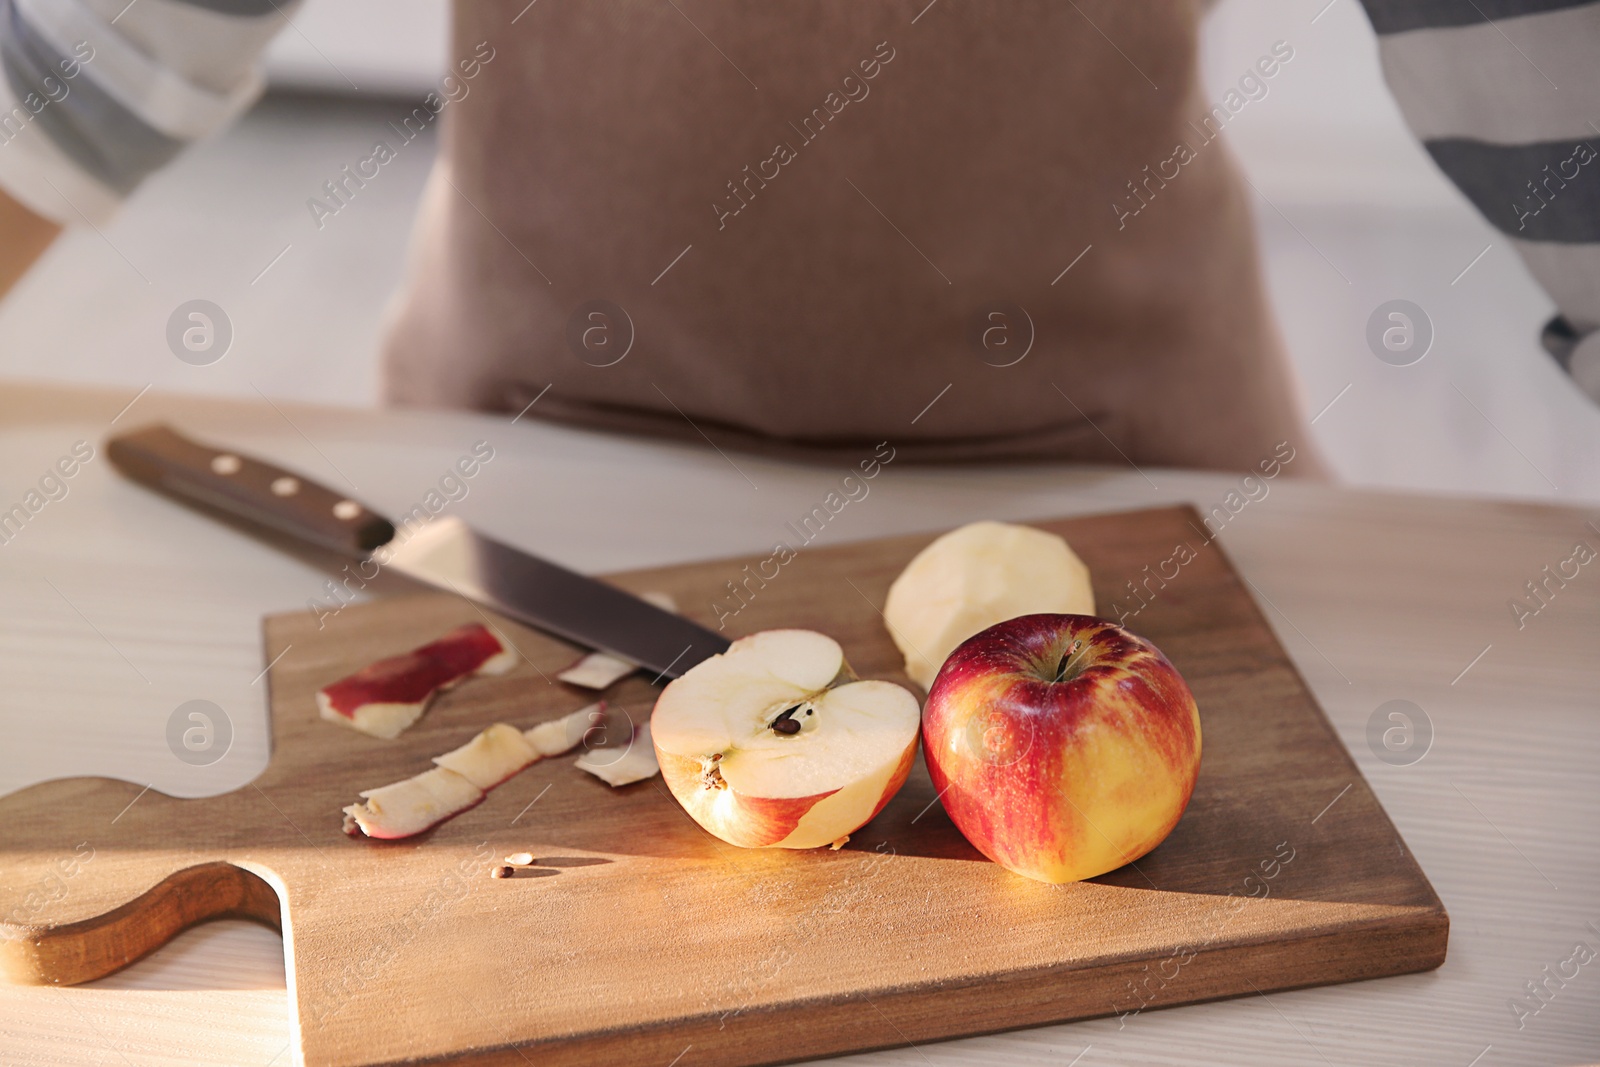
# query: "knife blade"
443,552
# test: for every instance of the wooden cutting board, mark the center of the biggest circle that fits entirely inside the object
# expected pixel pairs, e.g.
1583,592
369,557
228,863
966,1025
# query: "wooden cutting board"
642,940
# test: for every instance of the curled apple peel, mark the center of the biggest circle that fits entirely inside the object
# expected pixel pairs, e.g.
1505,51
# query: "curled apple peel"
775,743
491,757
386,697
409,807
463,776
618,767
597,670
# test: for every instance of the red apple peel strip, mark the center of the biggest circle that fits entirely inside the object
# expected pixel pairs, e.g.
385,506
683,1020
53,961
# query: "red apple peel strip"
384,698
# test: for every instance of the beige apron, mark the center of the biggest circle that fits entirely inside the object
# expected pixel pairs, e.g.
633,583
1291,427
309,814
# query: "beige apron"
982,231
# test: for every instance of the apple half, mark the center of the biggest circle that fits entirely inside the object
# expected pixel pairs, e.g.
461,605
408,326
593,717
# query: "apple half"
462,777
386,697
774,743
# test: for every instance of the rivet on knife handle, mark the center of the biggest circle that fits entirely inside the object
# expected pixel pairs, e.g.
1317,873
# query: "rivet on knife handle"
252,489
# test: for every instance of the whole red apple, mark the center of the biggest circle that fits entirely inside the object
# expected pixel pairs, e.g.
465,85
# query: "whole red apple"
1062,746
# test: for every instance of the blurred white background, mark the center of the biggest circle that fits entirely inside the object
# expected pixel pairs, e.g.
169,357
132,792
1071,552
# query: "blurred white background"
1351,214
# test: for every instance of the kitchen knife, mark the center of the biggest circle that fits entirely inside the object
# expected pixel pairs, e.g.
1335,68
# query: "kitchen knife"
443,552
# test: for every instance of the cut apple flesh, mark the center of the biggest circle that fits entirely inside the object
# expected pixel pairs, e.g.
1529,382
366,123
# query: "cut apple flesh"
773,743
601,670
463,776
973,577
386,697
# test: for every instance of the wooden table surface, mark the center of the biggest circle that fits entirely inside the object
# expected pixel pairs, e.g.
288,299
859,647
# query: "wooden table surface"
120,607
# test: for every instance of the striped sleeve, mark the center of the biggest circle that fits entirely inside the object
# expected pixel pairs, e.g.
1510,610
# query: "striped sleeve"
1505,96
97,94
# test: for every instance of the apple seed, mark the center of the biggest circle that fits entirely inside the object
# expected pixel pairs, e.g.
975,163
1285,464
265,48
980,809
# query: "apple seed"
785,723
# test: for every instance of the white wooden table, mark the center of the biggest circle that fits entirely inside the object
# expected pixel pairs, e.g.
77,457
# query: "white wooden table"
118,606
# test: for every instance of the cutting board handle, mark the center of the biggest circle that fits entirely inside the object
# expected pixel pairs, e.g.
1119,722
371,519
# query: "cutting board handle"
259,492
92,948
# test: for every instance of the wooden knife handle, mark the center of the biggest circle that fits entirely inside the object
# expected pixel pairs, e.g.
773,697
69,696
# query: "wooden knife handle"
252,489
